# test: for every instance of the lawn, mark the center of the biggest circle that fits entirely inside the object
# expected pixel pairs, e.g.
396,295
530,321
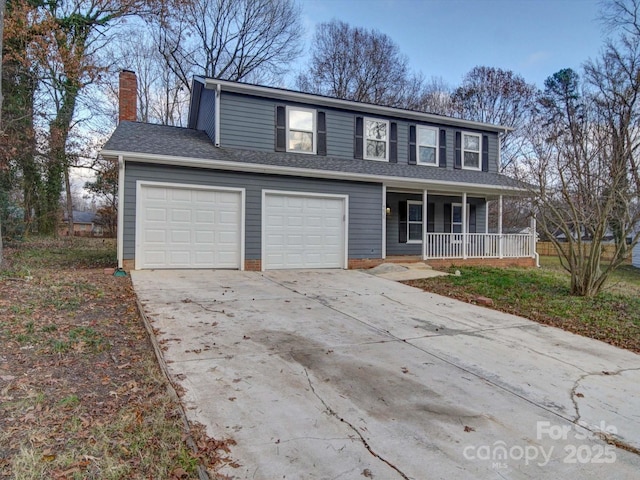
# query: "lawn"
81,393
543,295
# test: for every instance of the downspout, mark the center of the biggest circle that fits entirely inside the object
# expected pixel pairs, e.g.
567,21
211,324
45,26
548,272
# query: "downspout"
120,211
216,117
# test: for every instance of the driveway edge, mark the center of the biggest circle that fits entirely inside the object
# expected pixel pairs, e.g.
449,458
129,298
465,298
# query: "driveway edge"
202,471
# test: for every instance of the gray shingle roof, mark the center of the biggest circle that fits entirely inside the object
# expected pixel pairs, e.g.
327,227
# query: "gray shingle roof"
145,138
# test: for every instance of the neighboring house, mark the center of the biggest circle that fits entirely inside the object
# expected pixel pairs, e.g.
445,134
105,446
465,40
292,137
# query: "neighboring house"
83,224
266,178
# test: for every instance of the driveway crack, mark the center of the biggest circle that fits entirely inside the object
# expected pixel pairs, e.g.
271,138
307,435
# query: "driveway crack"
605,436
333,413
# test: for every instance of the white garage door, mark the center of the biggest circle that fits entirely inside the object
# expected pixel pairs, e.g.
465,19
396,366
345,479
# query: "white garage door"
303,231
188,227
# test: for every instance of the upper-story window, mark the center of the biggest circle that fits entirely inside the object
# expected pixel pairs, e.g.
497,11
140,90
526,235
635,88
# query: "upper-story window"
427,145
301,130
376,139
471,148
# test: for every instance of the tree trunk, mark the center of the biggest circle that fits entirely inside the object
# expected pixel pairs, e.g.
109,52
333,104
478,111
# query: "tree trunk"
67,185
2,6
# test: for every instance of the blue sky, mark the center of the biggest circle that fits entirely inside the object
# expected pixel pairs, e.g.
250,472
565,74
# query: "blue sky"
447,38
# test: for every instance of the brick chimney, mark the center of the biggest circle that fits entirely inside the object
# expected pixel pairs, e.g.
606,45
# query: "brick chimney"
128,96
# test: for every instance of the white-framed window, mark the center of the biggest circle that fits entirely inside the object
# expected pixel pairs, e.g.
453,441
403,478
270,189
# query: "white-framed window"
414,221
376,139
471,148
301,130
456,219
427,145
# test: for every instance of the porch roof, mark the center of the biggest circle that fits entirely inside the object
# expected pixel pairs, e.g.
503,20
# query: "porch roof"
183,146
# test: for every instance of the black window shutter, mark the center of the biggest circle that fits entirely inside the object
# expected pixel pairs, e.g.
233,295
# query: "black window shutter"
431,217
443,149
322,134
447,218
281,129
358,142
402,224
458,159
485,153
412,145
472,219
393,143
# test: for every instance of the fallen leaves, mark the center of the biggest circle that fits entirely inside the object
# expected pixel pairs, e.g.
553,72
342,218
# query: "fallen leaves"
80,390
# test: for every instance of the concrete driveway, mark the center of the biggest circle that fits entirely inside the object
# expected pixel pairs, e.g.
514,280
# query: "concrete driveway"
340,374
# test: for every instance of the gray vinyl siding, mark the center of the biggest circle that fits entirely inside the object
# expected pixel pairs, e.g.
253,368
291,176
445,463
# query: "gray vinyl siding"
635,255
365,200
394,247
340,133
206,113
248,122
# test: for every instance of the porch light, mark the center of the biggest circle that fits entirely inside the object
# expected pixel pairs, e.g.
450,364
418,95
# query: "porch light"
388,210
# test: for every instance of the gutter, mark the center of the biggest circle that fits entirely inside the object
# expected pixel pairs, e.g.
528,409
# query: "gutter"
291,171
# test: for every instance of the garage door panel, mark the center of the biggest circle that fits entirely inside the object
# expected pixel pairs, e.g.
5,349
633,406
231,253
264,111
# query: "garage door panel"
308,230
201,228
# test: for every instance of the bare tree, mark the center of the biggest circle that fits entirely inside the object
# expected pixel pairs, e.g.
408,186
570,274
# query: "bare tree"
2,8
162,96
229,39
359,64
501,97
436,97
584,167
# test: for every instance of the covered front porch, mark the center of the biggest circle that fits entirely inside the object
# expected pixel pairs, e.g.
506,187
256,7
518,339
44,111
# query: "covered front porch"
445,225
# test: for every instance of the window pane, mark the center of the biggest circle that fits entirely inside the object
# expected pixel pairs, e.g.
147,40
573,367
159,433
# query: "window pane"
456,214
301,141
376,130
415,213
427,155
415,231
376,149
471,159
456,228
426,136
300,120
471,142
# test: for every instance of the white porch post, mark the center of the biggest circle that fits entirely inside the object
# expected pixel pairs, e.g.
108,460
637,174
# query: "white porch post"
533,237
500,226
424,224
384,221
465,226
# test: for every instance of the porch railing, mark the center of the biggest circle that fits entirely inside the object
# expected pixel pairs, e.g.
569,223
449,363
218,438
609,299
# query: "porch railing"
479,245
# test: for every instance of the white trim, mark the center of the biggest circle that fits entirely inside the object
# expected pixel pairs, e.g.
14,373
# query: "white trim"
345,219
446,186
425,223
436,146
367,108
216,117
120,226
189,186
314,129
465,224
486,216
365,138
409,222
384,221
462,150
500,226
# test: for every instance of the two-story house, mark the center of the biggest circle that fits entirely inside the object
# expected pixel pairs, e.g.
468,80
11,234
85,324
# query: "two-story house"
267,178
